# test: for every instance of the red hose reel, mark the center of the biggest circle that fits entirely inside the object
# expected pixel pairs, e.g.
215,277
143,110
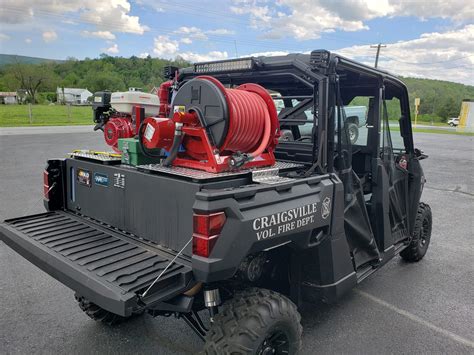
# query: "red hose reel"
221,129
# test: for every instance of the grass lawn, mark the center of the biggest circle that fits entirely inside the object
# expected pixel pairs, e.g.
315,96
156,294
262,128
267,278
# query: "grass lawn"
424,123
57,115
44,115
440,131
428,123
435,131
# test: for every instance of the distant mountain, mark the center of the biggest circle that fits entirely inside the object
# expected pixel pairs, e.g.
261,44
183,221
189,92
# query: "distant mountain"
12,58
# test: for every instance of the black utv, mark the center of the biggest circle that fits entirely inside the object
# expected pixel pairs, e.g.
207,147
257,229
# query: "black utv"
334,212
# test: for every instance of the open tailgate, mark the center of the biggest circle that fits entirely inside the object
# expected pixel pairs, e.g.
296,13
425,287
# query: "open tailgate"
108,267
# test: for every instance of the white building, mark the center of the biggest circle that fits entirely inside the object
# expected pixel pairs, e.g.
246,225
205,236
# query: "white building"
8,97
73,95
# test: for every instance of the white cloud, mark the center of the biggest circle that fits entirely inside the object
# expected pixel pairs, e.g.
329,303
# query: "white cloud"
196,33
106,15
207,57
28,40
266,54
4,37
165,47
112,49
186,40
259,15
438,55
457,10
221,32
143,55
49,36
69,22
151,4
99,34
308,19
191,32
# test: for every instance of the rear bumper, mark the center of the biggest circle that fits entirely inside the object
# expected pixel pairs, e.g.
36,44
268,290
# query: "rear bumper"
106,266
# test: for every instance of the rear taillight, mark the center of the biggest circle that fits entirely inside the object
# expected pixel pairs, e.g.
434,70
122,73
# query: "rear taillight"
206,230
46,185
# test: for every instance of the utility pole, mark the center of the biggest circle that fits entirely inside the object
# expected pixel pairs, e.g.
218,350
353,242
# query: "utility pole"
235,45
378,46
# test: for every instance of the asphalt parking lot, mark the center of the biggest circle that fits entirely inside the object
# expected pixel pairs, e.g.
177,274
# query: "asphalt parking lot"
426,307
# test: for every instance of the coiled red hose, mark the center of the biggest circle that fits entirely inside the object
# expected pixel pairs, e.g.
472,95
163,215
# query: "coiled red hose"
248,113
253,120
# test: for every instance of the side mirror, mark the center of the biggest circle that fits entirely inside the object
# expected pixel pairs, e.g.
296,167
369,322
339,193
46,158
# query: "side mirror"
420,155
403,123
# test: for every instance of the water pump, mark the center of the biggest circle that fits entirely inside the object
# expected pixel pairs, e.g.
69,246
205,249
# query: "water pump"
119,114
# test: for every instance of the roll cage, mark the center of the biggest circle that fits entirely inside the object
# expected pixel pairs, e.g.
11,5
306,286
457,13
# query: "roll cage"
311,82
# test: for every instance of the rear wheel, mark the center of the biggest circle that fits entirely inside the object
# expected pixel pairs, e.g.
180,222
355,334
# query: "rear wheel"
255,321
418,246
99,314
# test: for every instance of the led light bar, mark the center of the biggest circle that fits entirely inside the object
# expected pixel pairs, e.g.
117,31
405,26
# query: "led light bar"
224,66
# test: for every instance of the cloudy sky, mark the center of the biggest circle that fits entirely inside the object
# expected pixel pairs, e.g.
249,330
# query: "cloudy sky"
430,38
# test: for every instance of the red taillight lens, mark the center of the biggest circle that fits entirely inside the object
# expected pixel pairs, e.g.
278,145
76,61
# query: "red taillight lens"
46,185
208,224
206,230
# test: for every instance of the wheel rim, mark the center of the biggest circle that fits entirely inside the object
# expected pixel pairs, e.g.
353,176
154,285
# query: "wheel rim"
424,234
352,134
276,342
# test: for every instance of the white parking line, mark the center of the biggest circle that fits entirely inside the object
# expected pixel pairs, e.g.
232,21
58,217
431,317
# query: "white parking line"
13,131
416,319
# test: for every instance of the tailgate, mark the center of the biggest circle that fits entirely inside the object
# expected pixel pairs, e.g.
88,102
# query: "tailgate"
108,267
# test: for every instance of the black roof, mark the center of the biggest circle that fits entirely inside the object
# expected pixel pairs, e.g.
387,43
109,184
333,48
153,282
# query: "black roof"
304,62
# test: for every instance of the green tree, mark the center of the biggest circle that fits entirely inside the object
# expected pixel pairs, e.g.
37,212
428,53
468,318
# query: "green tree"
106,80
31,78
71,80
448,108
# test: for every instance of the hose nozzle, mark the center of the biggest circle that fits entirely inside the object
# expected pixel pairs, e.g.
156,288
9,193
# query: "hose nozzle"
238,159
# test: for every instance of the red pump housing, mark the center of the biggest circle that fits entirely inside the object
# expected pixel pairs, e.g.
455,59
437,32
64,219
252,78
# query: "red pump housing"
115,128
220,129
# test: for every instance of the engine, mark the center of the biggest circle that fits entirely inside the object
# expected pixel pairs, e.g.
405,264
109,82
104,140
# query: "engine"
215,129
118,114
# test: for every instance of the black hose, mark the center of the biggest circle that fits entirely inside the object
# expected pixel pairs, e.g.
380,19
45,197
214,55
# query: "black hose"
147,152
178,138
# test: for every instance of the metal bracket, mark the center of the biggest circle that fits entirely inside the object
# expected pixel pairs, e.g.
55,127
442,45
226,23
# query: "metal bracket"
269,176
193,320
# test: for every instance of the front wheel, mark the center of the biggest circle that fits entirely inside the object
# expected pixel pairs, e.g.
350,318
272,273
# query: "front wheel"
255,321
418,246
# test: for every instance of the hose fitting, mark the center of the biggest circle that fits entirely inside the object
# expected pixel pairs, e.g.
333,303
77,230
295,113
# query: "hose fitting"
178,138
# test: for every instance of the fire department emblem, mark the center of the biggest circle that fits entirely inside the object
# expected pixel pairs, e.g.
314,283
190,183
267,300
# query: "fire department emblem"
326,208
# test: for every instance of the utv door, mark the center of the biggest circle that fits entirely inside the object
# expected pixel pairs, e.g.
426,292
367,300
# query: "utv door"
396,151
